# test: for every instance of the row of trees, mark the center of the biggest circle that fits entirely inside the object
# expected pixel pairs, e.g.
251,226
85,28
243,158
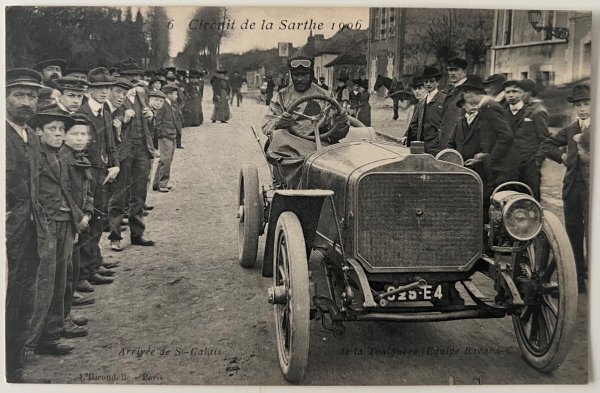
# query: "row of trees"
203,46
86,36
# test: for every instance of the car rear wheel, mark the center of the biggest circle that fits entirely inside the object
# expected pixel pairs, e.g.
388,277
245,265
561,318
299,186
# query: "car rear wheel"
292,307
545,328
250,211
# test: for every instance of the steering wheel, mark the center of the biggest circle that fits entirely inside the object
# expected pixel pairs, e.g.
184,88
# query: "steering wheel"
316,120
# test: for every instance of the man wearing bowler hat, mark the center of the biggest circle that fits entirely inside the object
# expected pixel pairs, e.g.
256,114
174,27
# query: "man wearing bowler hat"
427,117
499,157
104,159
51,70
457,75
494,87
530,130
575,192
26,227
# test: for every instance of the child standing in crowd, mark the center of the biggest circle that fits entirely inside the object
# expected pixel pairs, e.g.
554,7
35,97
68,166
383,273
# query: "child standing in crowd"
575,192
55,198
168,123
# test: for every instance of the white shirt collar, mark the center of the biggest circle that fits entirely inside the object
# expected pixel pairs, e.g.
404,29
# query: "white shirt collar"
585,123
460,82
499,97
431,95
19,129
111,106
516,107
470,117
95,106
64,108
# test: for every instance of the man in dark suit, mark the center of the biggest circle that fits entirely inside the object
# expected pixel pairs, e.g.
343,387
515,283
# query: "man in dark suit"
457,75
575,192
167,125
136,149
530,129
322,84
499,156
427,117
26,228
104,160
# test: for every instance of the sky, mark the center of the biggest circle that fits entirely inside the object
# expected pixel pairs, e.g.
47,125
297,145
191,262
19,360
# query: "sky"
288,25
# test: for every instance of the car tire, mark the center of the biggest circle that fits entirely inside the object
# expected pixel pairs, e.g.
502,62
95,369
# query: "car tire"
551,321
250,214
292,316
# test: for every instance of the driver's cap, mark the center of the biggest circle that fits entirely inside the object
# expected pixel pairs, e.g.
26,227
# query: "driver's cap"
300,64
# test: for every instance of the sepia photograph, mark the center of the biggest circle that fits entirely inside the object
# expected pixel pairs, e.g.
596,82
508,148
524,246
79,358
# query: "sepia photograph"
296,195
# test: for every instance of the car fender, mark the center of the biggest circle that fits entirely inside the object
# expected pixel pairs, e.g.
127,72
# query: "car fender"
307,205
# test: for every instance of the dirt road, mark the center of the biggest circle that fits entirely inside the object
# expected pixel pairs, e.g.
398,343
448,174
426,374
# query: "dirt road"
185,312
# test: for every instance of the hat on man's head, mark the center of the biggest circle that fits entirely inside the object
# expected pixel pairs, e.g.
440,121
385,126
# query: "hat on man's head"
300,64
343,77
129,67
529,85
25,77
579,93
79,73
170,69
157,93
80,118
321,78
123,83
71,83
364,83
356,81
417,81
472,84
51,62
100,77
49,113
162,82
223,72
169,89
431,72
495,78
512,82
457,62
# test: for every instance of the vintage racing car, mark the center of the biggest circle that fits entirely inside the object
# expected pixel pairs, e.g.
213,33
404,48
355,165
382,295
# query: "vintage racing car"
401,234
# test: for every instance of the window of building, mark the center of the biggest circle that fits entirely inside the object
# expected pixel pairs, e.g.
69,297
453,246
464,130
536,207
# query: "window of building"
547,78
375,28
524,75
392,23
508,20
382,27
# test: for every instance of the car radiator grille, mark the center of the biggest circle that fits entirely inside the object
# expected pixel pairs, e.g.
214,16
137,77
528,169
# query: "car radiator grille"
415,222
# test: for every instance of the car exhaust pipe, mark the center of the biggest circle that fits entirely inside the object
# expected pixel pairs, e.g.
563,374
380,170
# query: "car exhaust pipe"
417,284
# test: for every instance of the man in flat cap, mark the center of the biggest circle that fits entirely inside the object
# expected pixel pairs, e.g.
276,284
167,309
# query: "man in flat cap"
457,75
26,227
575,191
135,149
530,129
104,159
427,117
72,92
167,125
277,123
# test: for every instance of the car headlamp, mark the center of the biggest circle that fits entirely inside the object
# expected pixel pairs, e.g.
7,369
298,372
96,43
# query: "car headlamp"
522,215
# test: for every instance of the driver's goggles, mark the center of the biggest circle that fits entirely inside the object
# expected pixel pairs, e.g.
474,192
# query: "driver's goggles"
300,63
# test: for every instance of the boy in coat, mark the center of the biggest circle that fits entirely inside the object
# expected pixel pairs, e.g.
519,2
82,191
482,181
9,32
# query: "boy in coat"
575,191
167,125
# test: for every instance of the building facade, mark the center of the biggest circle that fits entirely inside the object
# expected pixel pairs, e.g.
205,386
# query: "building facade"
520,52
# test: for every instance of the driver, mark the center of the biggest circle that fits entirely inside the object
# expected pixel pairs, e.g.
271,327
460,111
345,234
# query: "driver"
290,150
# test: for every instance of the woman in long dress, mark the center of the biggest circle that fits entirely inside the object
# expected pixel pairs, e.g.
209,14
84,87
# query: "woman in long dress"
192,112
364,110
221,92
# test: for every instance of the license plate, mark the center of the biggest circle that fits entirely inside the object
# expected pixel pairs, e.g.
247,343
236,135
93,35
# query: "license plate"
430,292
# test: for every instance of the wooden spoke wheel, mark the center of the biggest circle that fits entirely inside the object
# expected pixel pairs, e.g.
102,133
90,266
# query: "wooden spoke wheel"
547,280
292,310
250,214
